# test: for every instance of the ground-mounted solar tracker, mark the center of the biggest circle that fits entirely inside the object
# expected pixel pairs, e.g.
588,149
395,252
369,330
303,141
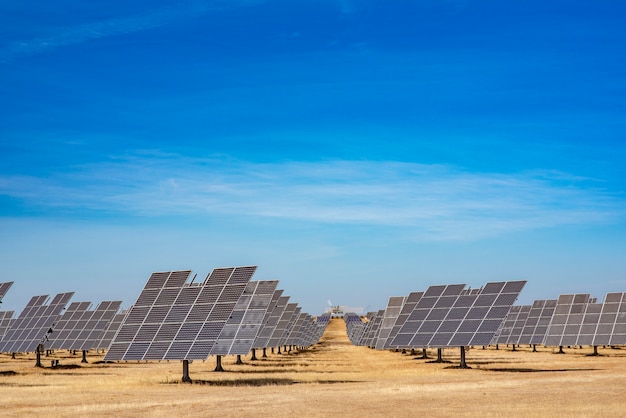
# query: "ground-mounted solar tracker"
5,322
394,306
4,288
176,320
80,328
282,326
243,325
579,320
407,308
354,327
107,336
373,329
290,326
273,315
452,316
612,324
567,320
538,321
511,330
32,326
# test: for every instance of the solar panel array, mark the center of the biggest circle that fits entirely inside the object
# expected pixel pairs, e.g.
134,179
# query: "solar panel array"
109,333
272,316
32,325
407,309
452,316
511,330
175,320
354,327
242,327
539,317
282,326
82,329
579,320
391,314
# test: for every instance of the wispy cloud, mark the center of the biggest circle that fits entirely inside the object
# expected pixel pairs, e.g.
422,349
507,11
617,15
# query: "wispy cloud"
432,201
151,18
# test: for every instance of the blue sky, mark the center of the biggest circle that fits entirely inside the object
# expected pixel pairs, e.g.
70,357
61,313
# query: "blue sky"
353,150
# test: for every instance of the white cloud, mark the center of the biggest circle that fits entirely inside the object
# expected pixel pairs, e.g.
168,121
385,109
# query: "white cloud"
432,201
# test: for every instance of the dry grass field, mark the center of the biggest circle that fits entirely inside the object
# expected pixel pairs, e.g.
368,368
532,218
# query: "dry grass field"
333,378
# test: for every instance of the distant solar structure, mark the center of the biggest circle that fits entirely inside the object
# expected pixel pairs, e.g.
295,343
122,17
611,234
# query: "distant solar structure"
373,329
4,288
175,320
31,327
354,327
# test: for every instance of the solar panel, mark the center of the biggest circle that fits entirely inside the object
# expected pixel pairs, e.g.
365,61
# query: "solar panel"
452,316
537,323
615,303
394,306
567,320
32,325
4,288
80,328
354,327
272,316
290,325
242,327
281,325
407,308
176,320
109,333
5,322
511,330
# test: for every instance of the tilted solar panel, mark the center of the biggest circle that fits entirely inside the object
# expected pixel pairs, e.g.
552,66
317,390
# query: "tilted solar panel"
32,325
4,288
242,327
176,320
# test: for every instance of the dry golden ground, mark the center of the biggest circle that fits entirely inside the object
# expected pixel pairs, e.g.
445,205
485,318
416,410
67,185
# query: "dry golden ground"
333,378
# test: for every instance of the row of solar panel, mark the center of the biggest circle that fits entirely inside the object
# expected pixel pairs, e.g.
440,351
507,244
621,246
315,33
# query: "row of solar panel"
410,322
575,319
172,319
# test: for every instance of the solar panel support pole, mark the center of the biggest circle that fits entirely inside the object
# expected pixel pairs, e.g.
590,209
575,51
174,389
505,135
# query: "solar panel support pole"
239,359
423,356
218,364
463,364
595,351
253,355
561,350
264,352
84,360
514,348
534,348
38,354
186,378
